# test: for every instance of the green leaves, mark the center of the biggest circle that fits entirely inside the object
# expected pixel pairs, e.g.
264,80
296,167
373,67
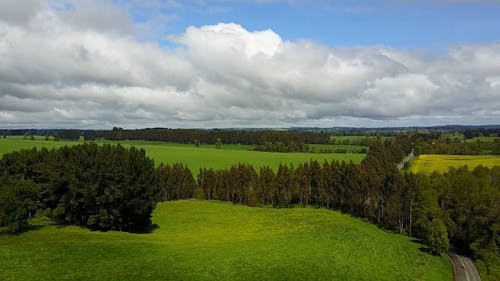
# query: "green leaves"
18,202
102,187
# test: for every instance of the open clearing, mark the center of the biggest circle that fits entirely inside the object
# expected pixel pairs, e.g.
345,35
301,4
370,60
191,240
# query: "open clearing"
429,163
206,240
205,156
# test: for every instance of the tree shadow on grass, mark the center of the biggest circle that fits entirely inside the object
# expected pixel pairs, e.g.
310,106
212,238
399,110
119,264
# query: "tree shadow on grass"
147,230
144,230
423,248
427,250
7,231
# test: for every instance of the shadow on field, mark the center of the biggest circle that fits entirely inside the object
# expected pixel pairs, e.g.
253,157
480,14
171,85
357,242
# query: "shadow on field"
148,229
423,248
427,251
7,231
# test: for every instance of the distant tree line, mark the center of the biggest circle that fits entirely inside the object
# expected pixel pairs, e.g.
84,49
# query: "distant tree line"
211,136
101,187
339,150
457,147
366,132
249,137
472,133
295,145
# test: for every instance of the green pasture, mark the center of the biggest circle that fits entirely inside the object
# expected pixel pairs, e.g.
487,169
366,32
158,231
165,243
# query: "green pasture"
205,156
206,240
428,163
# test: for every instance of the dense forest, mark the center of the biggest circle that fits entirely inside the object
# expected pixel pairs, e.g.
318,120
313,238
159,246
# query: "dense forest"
465,204
208,136
479,132
101,187
110,187
211,136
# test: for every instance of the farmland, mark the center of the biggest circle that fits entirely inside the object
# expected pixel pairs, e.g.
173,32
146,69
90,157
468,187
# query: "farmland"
429,163
205,156
208,240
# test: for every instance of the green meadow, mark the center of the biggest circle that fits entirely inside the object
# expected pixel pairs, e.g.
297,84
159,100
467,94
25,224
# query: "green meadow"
429,163
205,156
207,240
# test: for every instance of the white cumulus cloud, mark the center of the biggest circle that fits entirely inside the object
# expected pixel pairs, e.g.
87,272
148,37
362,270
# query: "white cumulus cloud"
60,68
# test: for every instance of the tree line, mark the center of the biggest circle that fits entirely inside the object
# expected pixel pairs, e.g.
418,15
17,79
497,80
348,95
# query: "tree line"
457,147
211,136
472,133
202,136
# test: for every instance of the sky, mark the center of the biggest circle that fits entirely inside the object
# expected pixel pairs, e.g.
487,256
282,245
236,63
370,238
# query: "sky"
96,64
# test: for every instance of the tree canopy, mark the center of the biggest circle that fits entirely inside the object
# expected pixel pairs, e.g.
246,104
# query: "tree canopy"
102,187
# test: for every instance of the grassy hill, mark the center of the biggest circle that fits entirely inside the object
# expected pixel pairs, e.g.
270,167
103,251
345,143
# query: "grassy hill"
429,163
205,156
200,240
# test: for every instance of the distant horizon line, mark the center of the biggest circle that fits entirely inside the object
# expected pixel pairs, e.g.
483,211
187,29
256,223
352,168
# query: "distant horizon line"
479,126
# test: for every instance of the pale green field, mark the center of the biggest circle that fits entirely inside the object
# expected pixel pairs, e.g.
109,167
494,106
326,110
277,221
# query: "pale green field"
428,163
205,156
201,240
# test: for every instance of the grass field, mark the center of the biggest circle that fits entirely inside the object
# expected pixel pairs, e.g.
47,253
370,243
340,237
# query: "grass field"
429,163
202,240
196,157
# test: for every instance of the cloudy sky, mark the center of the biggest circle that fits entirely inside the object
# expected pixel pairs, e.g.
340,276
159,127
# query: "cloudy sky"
248,63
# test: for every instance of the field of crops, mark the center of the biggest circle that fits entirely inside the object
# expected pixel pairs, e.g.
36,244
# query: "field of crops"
197,157
206,240
429,163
